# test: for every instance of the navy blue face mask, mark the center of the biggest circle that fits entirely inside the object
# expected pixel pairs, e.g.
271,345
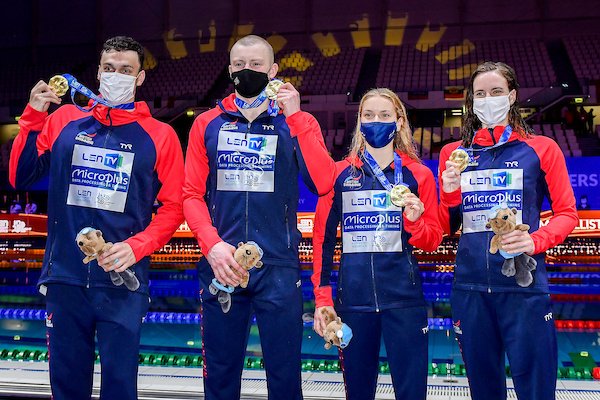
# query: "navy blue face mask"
378,134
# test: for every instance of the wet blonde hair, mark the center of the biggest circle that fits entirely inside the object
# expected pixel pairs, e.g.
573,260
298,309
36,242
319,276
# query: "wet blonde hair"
403,141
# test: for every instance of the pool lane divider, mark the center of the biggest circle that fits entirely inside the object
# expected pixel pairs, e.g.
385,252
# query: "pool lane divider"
309,365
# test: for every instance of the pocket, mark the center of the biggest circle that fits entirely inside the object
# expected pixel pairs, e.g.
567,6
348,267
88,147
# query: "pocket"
287,228
357,287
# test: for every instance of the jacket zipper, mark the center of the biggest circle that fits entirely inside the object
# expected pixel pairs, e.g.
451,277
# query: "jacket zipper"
374,287
412,269
89,265
339,284
372,266
51,251
246,136
487,262
246,216
287,227
487,253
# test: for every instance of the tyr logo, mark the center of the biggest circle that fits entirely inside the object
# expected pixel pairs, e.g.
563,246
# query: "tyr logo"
268,127
126,146
511,164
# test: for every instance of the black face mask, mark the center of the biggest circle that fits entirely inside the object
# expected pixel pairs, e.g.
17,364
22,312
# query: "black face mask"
249,83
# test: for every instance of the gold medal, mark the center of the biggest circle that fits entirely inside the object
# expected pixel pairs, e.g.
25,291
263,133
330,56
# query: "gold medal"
460,157
59,85
397,195
273,88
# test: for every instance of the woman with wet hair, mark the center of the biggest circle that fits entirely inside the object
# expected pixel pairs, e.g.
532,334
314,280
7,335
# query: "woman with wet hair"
500,299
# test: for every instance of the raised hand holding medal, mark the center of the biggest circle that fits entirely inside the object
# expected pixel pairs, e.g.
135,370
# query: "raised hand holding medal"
461,158
41,96
273,88
59,85
413,207
456,163
398,194
288,98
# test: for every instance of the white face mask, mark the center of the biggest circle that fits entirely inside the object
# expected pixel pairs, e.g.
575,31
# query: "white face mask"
117,88
491,110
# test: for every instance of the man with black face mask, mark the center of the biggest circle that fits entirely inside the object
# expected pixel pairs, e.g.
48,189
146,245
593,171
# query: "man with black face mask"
243,160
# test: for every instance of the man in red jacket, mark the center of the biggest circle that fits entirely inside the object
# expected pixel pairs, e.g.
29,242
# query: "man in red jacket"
241,184
106,166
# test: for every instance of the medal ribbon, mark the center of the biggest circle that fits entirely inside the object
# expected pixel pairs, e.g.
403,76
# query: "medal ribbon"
503,139
78,87
376,169
273,109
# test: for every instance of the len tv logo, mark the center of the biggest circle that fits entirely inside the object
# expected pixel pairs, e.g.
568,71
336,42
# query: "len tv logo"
381,200
114,160
256,144
502,179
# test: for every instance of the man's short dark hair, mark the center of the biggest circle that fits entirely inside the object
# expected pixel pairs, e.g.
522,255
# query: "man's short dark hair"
124,43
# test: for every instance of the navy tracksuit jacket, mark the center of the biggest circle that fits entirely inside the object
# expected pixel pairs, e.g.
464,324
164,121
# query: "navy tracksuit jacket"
491,313
379,284
106,168
241,184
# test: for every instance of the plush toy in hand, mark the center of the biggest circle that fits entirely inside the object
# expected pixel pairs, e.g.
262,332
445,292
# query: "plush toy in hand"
336,332
92,244
248,256
502,220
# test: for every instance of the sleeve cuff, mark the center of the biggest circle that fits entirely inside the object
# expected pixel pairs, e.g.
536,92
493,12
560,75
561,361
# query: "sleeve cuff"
537,246
296,122
452,199
323,296
206,246
412,227
33,118
135,247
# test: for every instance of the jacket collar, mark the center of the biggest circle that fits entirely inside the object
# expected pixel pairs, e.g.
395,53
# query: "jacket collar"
115,116
227,105
483,137
358,161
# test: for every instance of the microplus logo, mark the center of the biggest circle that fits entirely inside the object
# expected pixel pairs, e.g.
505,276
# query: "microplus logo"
256,144
381,200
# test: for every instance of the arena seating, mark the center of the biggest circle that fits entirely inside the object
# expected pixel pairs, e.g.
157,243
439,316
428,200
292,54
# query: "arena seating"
316,74
405,68
190,76
584,53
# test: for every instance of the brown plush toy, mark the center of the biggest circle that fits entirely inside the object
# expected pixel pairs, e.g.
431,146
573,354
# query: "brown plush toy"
248,256
92,244
336,332
503,220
